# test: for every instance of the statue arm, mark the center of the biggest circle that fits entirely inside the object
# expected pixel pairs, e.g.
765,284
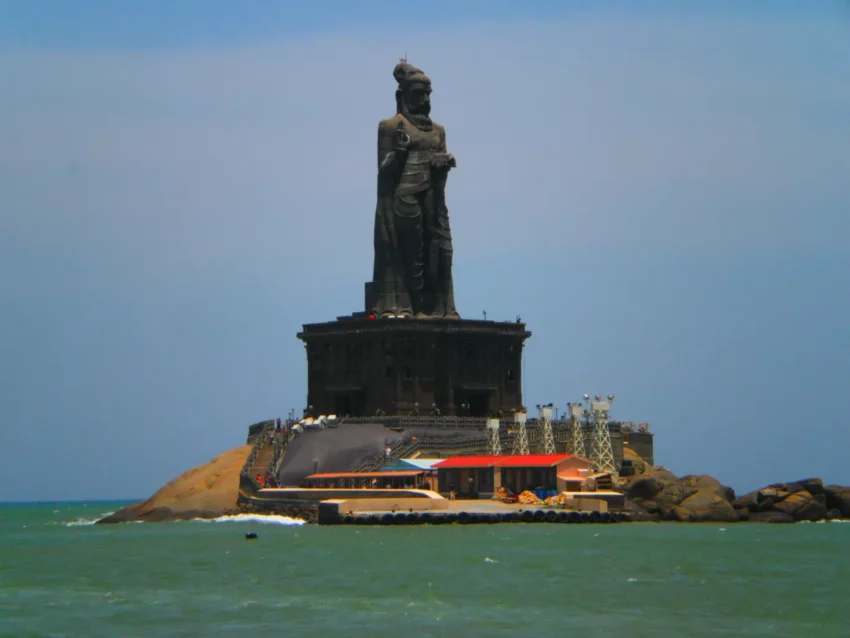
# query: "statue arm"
389,157
442,160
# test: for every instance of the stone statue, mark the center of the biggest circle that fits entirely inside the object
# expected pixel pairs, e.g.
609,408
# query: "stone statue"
412,274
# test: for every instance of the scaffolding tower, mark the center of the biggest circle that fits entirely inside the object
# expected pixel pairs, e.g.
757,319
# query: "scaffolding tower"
495,443
576,432
601,453
544,412
520,433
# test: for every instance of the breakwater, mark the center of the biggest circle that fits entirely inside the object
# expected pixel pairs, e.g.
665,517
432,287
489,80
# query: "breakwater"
469,518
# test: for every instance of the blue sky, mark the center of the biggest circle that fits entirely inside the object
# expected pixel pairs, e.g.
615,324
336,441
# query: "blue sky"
661,193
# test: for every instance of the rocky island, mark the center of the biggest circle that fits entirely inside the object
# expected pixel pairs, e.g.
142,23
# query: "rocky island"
654,494
413,379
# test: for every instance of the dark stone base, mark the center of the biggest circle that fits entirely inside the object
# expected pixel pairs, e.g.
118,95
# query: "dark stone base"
360,366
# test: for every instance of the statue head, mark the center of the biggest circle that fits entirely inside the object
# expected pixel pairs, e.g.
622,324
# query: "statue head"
413,96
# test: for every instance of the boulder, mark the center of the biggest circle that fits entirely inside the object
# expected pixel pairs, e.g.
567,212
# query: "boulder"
838,498
743,514
677,491
773,493
650,506
770,517
833,515
766,505
661,473
801,506
644,488
638,512
680,514
748,502
674,493
790,488
706,505
813,486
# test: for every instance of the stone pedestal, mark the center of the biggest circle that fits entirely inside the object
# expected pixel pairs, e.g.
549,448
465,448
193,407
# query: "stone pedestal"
362,366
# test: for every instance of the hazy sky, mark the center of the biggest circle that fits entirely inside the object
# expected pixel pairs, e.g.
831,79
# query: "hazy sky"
661,193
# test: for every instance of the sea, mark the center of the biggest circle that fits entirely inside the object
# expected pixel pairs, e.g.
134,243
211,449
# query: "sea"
61,575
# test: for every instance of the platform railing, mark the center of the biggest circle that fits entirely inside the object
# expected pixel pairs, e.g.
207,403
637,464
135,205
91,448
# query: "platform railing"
459,422
259,443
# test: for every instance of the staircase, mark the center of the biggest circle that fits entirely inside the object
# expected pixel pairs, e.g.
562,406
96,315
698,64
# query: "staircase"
262,460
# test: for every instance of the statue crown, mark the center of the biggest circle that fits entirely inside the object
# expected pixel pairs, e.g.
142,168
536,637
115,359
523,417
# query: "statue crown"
405,74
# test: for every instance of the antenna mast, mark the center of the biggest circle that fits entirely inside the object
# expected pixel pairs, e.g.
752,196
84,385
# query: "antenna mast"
493,437
520,433
576,432
601,453
545,414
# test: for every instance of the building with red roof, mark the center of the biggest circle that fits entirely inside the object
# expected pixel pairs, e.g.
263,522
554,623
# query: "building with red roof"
481,476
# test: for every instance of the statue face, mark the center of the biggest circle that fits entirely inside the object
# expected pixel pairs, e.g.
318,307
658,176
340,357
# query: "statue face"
417,97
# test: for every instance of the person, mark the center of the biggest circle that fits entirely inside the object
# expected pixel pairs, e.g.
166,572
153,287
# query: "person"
451,492
260,480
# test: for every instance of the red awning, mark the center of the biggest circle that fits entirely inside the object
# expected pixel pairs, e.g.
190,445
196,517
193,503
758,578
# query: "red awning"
366,475
469,462
533,460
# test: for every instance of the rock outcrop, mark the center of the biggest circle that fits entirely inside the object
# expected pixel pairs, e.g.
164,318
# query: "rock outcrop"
803,500
838,499
658,495
206,491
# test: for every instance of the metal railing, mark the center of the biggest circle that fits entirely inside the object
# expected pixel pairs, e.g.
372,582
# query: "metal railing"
259,443
281,444
460,422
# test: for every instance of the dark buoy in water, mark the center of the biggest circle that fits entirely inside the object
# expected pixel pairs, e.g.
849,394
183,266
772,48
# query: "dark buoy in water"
251,535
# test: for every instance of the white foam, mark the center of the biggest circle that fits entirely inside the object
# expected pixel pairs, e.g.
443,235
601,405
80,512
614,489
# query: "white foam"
81,521
252,518
490,560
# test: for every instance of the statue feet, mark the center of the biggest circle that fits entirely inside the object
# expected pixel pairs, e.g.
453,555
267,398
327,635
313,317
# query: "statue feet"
389,314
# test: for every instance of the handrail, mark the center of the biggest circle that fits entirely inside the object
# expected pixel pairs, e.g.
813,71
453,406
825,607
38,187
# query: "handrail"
460,422
259,442
280,446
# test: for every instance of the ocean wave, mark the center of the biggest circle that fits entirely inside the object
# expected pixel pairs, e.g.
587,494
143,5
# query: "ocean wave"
81,521
252,518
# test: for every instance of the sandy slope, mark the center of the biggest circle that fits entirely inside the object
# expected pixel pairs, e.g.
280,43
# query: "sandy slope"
205,491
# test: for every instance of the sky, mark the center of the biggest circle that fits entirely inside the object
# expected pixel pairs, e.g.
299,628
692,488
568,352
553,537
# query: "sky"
659,189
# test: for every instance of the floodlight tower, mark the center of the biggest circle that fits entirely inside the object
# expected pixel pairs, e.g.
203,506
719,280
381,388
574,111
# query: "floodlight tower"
520,433
544,412
493,437
601,453
576,434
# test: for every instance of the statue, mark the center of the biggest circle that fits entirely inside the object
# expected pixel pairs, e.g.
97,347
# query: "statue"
412,274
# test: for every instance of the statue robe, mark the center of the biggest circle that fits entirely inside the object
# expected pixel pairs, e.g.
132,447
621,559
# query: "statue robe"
413,248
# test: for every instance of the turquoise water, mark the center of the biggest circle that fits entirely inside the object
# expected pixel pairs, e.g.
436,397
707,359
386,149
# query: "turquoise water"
62,576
